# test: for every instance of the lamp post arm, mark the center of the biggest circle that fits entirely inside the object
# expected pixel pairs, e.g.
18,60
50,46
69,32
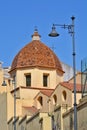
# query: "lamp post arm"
66,26
61,25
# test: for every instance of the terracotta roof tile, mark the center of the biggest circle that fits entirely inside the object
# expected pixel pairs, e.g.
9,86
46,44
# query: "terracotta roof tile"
47,92
36,54
71,86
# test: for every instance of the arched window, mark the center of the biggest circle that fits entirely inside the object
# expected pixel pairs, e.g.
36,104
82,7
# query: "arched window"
54,99
40,100
64,95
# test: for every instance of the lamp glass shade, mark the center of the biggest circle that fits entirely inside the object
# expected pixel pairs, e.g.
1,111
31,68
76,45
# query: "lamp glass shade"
53,32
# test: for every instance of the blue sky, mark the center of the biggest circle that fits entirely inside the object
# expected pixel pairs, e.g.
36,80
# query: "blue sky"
18,19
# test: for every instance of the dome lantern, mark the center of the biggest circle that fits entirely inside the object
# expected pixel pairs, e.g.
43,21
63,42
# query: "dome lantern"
36,36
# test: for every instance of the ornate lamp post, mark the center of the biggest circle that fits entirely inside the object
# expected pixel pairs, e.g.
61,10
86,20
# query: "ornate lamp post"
71,31
14,83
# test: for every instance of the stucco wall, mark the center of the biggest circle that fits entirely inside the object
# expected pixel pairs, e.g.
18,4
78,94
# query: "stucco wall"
3,111
82,114
68,117
37,77
60,99
33,123
45,105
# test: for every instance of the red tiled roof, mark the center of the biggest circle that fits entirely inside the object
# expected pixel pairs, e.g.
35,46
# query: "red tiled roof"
71,86
47,92
36,54
35,88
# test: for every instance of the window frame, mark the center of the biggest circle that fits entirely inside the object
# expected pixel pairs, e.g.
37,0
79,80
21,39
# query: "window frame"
45,79
28,79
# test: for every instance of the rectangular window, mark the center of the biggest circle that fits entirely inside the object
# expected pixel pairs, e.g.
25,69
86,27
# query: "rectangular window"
28,80
45,80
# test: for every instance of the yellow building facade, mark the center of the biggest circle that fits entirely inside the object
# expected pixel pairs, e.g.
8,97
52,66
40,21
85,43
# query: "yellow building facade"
36,96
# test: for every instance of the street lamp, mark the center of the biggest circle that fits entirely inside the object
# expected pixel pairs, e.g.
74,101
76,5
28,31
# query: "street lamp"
14,103
71,31
4,83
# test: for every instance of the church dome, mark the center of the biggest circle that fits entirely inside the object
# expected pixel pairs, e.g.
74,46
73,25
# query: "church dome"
36,54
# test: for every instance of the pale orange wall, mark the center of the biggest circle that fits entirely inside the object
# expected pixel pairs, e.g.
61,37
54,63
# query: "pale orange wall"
48,102
1,77
8,86
26,93
81,116
37,77
78,79
10,106
59,92
3,111
35,123
45,106
78,97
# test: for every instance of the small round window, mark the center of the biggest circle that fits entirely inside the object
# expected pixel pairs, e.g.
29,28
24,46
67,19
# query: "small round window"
64,95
